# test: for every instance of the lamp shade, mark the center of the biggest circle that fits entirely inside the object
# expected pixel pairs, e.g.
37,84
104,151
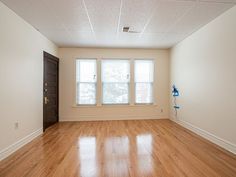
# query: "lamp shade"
175,91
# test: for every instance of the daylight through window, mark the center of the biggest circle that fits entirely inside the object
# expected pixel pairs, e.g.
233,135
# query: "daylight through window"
115,81
86,81
144,71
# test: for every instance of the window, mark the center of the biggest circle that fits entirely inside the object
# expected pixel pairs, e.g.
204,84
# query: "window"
115,81
86,81
144,70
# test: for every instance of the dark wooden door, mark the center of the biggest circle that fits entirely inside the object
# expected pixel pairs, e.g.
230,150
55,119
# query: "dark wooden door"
50,90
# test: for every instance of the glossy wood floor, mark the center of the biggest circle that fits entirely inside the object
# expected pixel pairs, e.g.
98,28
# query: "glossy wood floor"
146,148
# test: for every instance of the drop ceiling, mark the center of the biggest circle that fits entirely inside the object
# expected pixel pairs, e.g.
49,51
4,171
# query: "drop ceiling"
99,23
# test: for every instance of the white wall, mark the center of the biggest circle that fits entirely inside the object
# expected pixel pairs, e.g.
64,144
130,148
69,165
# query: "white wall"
68,112
203,67
21,79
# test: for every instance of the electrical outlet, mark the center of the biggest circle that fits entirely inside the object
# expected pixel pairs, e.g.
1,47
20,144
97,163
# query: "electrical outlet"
161,110
16,125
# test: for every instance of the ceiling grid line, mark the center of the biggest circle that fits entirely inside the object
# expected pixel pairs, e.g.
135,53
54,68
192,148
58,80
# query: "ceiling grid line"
181,17
149,19
118,25
89,19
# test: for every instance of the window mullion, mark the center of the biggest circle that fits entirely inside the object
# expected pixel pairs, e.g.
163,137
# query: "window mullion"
99,83
132,84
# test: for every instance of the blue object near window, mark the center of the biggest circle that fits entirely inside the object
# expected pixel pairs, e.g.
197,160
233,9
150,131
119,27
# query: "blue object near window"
176,107
175,91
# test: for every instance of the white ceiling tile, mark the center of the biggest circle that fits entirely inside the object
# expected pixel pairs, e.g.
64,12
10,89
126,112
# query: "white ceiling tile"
35,13
71,38
60,37
94,23
167,13
200,15
137,13
152,37
104,14
41,16
75,20
128,37
173,38
81,35
219,1
82,38
17,6
106,36
71,13
146,40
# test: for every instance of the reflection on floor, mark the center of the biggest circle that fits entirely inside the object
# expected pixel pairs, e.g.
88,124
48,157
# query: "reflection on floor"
119,149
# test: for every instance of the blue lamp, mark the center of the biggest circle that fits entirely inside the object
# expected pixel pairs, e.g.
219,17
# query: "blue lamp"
175,91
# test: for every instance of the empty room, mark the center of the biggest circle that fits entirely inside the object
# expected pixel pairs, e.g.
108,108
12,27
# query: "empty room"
117,88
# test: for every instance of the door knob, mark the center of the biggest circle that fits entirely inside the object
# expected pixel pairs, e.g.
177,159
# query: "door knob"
46,100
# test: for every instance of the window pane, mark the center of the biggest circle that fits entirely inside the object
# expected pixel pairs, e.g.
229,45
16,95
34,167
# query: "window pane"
86,93
143,93
115,93
86,70
115,70
144,70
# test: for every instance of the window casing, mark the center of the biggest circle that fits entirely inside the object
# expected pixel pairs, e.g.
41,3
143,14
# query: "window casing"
115,81
143,80
86,81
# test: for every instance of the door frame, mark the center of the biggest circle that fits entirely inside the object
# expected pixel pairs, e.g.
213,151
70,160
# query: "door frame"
51,57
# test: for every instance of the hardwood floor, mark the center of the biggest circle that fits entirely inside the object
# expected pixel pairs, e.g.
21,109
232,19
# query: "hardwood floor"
142,148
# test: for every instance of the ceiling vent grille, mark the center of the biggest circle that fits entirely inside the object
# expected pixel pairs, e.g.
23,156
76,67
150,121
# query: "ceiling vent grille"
126,29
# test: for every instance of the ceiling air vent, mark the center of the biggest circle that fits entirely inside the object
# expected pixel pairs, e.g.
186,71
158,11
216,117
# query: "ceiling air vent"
126,29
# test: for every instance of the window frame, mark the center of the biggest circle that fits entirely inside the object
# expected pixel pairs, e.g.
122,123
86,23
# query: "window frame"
152,83
99,85
128,83
95,83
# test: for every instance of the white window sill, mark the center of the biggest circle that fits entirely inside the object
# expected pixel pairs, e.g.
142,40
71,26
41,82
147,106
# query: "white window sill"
114,105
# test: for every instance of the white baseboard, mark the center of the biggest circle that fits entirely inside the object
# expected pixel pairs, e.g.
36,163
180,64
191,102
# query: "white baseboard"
115,117
17,145
209,136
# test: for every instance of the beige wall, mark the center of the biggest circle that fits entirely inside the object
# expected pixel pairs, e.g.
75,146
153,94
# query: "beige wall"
68,110
203,67
21,78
